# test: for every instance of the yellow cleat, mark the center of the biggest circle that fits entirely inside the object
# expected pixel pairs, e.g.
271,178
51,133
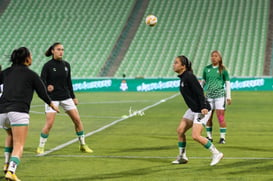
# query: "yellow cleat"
40,150
5,168
11,176
86,149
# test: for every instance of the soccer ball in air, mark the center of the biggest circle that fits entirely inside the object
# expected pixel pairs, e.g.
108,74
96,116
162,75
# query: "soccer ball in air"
151,20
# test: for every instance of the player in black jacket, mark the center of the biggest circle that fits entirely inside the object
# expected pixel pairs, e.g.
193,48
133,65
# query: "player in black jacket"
19,85
198,113
57,78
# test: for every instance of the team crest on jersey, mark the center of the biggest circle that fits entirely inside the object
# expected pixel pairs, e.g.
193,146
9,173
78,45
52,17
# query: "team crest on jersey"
208,70
182,84
54,69
66,69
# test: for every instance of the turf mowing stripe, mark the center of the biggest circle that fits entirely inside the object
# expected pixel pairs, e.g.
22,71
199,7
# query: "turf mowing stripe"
107,126
104,102
83,116
115,102
159,157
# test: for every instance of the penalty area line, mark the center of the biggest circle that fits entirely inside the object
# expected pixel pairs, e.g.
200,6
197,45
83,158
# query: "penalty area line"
107,126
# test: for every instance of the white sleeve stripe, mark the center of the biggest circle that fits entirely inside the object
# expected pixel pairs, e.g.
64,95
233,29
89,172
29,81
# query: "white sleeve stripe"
228,92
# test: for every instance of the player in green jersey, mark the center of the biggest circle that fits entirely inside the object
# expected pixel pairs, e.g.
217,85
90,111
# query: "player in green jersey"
217,86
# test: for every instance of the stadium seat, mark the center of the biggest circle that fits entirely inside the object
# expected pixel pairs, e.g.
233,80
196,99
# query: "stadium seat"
88,30
194,28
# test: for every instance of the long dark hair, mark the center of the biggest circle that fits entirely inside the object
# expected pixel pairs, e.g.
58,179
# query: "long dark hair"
221,67
185,61
48,53
20,55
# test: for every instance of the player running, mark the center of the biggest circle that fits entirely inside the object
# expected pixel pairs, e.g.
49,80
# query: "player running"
217,85
19,85
57,78
196,116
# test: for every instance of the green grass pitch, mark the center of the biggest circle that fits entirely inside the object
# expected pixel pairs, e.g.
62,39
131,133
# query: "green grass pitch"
142,147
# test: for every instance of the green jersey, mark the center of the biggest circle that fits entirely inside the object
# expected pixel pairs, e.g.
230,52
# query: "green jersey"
214,81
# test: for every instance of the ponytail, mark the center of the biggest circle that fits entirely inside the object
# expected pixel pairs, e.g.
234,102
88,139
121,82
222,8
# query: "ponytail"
48,52
185,61
19,55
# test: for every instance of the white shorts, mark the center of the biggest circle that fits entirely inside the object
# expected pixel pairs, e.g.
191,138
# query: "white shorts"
197,118
67,105
14,119
217,103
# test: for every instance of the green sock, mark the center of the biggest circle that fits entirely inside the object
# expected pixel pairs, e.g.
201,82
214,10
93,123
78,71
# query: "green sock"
7,153
44,135
181,147
80,133
43,139
208,144
211,147
8,149
223,132
81,137
14,162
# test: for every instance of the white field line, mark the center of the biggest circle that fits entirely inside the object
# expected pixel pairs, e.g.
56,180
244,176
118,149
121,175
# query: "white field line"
106,126
158,157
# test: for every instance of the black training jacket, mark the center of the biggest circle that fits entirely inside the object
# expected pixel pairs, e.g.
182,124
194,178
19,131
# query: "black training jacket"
19,85
57,73
192,92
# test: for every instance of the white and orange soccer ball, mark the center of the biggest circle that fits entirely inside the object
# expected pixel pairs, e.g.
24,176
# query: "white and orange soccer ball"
151,20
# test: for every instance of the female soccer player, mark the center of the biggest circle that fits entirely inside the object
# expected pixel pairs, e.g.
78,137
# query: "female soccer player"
57,78
1,85
215,76
19,85
196,116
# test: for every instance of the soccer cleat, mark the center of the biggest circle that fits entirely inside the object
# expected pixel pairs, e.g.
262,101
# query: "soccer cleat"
5,168
222,141
86,149
216,158
181,159
11,176
40,150
211,140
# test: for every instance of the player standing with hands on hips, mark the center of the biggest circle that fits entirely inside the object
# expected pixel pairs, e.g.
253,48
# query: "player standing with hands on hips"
198,113
19,85
217,85
57,78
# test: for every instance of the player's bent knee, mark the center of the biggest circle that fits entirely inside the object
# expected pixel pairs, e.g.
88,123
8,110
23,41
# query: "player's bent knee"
48,127
180,131
77,122
195,137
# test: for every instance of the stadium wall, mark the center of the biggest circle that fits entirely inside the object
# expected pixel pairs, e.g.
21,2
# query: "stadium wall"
162,84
